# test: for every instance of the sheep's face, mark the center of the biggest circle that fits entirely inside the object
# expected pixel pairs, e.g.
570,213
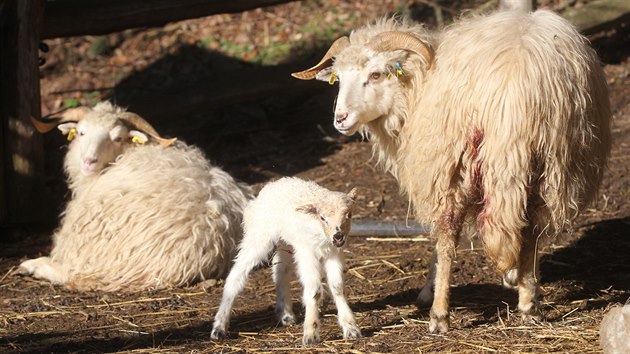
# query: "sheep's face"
96,142
369,84
334,215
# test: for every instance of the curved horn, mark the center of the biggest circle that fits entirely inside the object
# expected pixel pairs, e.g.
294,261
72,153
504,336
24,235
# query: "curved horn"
393,40
139,123
337,46
54,119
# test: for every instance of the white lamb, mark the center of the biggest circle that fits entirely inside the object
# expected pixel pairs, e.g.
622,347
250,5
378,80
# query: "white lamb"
315,222
498,121
145,212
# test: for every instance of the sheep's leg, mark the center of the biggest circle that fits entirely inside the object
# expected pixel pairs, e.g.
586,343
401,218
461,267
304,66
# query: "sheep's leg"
251,253
309,271
334,274
426,293
281,268
448,227
45,268
527,277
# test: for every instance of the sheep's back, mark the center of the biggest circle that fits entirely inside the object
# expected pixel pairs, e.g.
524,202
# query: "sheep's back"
520,98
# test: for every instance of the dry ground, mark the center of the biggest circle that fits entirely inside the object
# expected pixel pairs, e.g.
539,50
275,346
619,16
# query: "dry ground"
289,133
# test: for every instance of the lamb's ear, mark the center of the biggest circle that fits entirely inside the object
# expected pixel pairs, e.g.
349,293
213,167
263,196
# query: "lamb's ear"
353,193
307,209
138,137
326,75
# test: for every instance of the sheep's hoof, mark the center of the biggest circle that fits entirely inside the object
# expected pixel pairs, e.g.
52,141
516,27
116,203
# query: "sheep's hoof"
27,267
533,315
425,298
438,324
351,332
217,334
510,279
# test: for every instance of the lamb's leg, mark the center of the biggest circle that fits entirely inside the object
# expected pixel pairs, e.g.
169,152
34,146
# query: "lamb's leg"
45,268
281,268
252,252
527,275
426,293
334,274
309,271
448,228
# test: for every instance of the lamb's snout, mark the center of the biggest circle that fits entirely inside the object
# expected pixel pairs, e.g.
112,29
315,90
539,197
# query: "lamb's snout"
339,239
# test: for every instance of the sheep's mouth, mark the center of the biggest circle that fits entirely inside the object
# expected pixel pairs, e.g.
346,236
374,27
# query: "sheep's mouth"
89,170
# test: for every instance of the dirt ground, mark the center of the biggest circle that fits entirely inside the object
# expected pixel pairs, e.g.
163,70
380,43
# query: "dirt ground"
289,132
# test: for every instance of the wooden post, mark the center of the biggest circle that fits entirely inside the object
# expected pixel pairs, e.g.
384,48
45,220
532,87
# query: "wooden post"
21,175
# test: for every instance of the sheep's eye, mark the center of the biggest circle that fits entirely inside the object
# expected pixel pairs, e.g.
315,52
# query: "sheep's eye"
349,215
118,139
81,133
322,218
375,76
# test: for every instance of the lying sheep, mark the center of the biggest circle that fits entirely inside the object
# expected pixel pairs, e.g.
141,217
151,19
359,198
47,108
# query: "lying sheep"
145,212
314,222
501,121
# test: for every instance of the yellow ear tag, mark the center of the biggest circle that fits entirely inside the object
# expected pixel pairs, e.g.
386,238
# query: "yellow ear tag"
71,134
399,70
332,79
138,140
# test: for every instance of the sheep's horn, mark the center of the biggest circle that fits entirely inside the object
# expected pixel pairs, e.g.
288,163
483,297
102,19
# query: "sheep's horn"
54,119
394,40
139,123
337,46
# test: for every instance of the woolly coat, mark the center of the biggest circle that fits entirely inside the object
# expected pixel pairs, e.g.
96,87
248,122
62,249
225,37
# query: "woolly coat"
156,217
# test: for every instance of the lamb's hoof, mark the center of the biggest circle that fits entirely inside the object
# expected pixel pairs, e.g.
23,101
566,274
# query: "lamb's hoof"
217,334
425,298
310,339
352,332
438,324
287,319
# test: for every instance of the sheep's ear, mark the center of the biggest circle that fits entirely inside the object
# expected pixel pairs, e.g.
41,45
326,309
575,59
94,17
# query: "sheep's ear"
138,137
326,74
307,209
66,127
353,193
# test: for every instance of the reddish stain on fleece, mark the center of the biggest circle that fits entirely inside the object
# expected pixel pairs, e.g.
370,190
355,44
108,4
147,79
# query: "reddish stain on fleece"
474,142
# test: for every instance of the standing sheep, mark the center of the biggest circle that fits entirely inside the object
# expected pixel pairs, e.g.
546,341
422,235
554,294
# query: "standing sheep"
501,121
145,212
313,221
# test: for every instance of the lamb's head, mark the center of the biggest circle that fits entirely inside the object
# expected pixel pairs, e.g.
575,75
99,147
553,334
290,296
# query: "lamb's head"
99,135
334,214
373,71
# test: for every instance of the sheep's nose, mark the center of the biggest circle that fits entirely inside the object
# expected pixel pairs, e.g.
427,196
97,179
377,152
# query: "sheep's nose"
90,161
340,117
338,236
